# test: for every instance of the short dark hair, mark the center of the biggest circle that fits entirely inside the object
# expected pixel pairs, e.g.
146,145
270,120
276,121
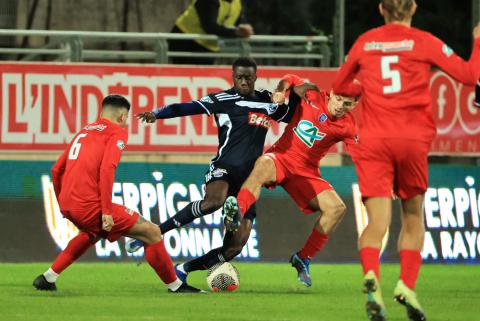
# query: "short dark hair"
116,101
244,62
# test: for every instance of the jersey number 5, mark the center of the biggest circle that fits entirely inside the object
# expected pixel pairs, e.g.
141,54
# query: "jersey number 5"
393,75
75,149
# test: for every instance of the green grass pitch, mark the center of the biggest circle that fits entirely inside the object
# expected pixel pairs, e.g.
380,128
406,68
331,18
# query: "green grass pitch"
125,291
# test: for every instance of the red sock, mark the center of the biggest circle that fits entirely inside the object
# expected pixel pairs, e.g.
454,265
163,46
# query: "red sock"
158,258
370,259
315,242
410,261
245,200
75,248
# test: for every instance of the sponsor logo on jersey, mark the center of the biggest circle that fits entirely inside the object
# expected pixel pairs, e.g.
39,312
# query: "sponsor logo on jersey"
390,46
447,50
217,173
322,118
257,119
206,99
308,133
98,127
120,144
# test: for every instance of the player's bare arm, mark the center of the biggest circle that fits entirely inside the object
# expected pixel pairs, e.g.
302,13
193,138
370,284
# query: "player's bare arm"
301,90
300,87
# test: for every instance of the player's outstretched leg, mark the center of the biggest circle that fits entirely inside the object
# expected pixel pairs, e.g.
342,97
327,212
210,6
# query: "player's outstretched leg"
75,248
408,298
375,307
410,242
332,211
215,195
157,256
379,211
233,244
181,218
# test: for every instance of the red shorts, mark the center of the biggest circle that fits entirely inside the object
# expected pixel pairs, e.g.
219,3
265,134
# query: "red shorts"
301,181
91,223
391,166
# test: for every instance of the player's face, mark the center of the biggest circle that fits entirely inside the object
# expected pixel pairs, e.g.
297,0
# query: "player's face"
340,105
244,80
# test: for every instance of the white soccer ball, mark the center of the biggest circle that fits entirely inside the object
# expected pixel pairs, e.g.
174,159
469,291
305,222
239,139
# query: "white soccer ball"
223,277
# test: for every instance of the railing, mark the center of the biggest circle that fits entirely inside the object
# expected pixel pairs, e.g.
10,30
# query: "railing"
78,46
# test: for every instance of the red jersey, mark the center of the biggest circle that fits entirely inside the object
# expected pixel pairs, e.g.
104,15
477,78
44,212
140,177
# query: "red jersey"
312,130
393,64
83,176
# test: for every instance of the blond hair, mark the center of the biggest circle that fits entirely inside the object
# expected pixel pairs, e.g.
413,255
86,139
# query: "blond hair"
397,10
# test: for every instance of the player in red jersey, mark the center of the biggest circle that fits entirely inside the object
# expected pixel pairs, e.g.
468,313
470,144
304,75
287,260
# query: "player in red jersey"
83,179
319,121
393,64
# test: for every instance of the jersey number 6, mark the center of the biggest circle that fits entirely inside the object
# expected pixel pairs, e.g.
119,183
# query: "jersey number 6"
393,75
75,149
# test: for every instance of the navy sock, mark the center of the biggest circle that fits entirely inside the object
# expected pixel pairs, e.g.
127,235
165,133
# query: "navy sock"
183,217
205,262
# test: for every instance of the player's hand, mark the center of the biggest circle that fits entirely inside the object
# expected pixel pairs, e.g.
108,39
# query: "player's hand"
476,31
278,97
147,117
301,90
107,222
244,30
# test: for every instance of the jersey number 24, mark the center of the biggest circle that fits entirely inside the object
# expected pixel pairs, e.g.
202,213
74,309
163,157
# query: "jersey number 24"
389,73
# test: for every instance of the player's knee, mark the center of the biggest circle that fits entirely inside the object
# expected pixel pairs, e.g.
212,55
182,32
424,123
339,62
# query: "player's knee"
211,204
413,222
377,229
262,162
337,211
152,233
262,165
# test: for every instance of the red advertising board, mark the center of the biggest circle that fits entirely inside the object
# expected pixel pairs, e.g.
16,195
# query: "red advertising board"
44,105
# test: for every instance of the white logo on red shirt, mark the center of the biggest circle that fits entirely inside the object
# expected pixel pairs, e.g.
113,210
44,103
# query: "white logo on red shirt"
98,127
389,46
308,133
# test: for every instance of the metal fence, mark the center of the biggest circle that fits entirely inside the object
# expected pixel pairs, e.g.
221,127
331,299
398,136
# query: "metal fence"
95,46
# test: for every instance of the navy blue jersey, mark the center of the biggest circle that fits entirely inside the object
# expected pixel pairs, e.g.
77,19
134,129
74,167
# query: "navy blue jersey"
243,123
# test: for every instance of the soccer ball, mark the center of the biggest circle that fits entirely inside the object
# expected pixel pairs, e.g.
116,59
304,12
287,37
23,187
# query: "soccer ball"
223,277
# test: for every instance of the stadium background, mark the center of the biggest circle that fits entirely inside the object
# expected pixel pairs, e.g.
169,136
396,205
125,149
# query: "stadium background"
46,98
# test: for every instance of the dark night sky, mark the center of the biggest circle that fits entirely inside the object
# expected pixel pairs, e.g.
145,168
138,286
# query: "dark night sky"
449,20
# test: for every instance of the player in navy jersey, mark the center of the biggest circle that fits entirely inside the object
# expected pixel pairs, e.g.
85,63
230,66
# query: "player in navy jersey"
243,116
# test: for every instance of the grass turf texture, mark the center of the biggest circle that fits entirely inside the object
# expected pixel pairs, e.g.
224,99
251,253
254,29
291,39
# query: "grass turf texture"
124,291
